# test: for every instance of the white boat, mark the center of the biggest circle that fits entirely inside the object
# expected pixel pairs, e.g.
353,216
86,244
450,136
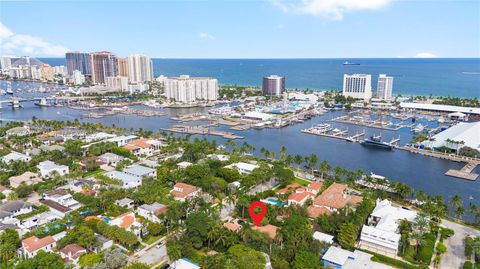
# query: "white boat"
419,128
375,176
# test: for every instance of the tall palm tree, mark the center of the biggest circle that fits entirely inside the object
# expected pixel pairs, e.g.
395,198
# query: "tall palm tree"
457,203
417,237
298,159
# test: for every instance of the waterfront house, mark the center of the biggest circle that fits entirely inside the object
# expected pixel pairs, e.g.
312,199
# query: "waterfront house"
27,178
382,233
288,188
314,187
183,191
72,252
338,258
127,221
31,245
184,263
110,158
299,197
62,197
69,134
243,168
15,157
121,141
334,198
125,202
47,168
152,212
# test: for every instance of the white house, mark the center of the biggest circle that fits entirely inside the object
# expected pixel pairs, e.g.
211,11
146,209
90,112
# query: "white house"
128,180
46,169
16,157
152,211
243,168
339,258
183,165
323,237
140,171
183,191
38,220
125,202
110,158
381,235
62,197
31,245
9,210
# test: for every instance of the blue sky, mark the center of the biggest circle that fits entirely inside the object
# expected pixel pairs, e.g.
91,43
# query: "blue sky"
243,29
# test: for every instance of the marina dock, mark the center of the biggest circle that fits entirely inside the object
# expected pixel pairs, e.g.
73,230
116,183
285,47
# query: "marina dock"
368,123
465,173
335,133
201,130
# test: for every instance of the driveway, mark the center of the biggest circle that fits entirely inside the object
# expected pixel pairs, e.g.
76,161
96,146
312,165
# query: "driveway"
263,187
455,256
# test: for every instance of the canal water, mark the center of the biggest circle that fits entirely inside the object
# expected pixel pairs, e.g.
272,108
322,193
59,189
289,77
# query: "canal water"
417,171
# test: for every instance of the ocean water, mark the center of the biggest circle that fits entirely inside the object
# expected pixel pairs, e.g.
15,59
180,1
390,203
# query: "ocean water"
437,77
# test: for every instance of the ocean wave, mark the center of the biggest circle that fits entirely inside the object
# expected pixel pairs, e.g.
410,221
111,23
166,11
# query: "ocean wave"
471,73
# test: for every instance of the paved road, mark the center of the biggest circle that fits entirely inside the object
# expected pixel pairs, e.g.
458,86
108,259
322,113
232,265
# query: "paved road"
152,255
455,256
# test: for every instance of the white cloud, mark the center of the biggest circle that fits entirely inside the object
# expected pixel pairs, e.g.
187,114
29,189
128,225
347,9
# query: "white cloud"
20,44
280,26
425,55
206,36
330,9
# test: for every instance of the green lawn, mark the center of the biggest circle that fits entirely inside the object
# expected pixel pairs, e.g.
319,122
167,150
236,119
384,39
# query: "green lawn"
300,181
92,173
151,239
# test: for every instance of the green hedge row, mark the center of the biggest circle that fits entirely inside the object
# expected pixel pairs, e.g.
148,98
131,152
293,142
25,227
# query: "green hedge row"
394,262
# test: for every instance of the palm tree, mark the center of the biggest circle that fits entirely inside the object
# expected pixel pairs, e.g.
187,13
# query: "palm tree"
421,222
457,203
417,237
324,168
283,152
298,160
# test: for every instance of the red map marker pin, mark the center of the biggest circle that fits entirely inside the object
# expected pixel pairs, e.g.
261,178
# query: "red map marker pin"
257,218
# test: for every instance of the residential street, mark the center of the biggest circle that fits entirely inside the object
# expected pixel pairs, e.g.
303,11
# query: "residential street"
455,256
152,255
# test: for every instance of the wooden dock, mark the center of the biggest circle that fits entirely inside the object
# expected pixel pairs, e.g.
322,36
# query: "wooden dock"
370,124
465,173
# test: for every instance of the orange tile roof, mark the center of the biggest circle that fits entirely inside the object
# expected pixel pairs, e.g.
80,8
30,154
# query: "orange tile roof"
269,229
315,185
33,243
186,190
93,218
288,188
299,196
130,147
315,212
141,143
335,197
232,226
73,249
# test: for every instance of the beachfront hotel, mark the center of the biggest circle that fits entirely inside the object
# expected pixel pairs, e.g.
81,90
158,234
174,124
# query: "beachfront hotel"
273,85
358,86
186,89
384,87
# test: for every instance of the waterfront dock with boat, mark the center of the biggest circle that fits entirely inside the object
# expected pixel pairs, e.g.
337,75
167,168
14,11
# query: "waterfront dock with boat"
465,173
201,130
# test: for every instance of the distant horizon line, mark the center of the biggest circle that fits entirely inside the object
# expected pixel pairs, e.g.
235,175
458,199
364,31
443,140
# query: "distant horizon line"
293,58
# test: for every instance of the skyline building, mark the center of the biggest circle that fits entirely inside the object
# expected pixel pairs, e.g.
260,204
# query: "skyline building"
358,86
140,68
384,87
186,89
122,67
273,85
78,61
103,64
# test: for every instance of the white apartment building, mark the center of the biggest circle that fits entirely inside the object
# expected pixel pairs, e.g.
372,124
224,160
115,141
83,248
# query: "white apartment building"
78,78
358,86
186,89
384,87
117,83
381,235
5,63
140,68
46,169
